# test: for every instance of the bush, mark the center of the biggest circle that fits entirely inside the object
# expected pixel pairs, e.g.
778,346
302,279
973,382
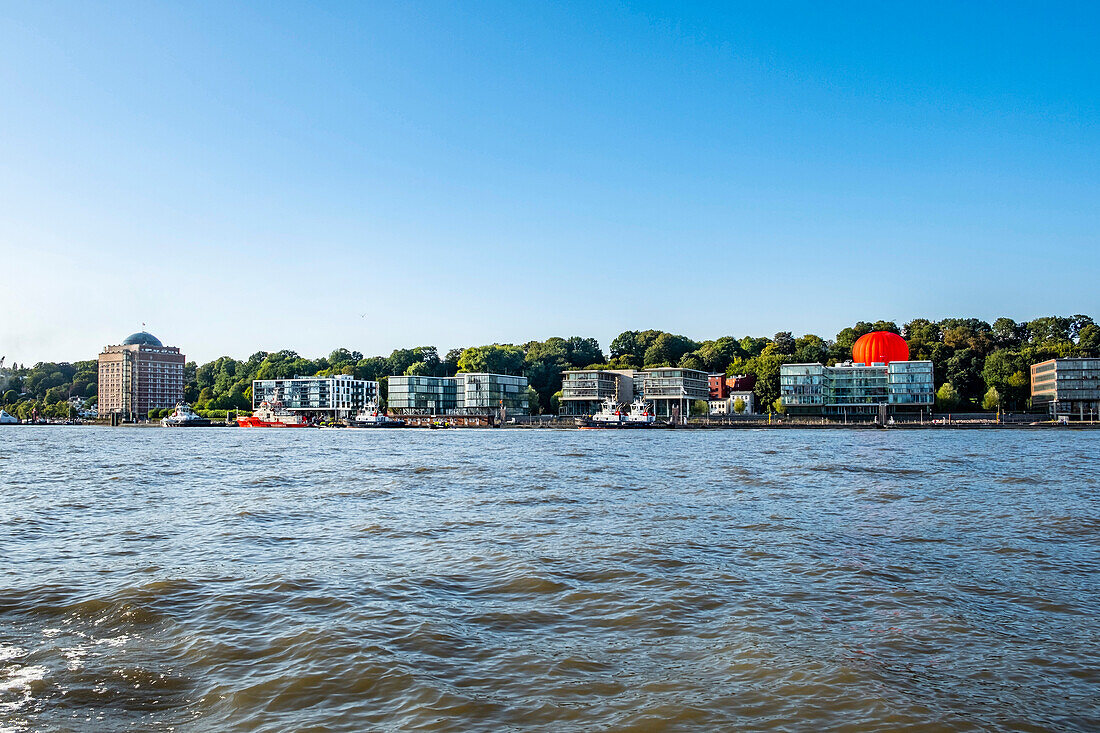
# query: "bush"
947,398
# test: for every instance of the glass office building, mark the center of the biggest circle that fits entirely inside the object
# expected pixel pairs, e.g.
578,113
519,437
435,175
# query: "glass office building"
856,389
422,395
462,394
340,395
1069,387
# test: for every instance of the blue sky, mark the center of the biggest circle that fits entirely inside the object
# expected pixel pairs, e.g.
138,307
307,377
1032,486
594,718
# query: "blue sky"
244,177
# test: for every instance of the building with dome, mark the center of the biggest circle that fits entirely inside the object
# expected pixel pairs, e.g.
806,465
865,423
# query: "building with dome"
139,375
880,380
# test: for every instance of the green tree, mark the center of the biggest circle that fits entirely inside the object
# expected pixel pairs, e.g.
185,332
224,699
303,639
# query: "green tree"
692,361
784,342
964,372
992,400
668,349
947,398
811,349
766,368
55,395
1049,329
1008,334
716,356
999,371
1088,341
533,401
739,406
778,406
493,358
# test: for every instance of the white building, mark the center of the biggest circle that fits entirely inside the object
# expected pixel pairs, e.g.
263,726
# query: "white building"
727,406
340,395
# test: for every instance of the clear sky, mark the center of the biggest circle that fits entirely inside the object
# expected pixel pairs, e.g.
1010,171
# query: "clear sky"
371,175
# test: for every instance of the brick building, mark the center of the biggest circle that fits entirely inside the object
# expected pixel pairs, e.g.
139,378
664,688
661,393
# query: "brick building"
139,375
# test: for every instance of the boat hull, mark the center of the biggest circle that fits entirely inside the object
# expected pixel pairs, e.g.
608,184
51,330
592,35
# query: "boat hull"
255,422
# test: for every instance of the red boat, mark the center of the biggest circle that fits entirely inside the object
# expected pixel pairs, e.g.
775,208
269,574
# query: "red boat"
272,415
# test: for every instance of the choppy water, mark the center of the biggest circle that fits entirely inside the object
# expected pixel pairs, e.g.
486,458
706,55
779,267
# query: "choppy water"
543,580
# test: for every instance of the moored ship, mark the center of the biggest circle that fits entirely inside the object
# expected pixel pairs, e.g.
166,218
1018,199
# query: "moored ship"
272,415
639,415
185,417
371,417
612,417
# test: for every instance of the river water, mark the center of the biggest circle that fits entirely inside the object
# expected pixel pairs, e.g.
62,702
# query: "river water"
479,580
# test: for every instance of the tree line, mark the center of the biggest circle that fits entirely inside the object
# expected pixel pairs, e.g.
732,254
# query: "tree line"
977,364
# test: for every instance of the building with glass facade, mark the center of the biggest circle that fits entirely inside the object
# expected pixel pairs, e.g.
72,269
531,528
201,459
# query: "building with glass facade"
583,390
477,393
339,396
671,390
421,395
462,394
856,389
1069,387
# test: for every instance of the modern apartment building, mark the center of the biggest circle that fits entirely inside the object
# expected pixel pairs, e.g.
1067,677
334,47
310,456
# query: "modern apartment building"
670,390
1069,387
856,389
338,396
583,390
139,375
462,394
422,395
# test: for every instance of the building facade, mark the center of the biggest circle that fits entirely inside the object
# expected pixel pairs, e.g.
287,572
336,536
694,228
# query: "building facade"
139,375
583,390
856,389
422,395
462,394
728,404
339,396
672,390
1067,387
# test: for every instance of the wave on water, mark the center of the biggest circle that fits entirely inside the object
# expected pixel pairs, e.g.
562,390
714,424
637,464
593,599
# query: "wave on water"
501,580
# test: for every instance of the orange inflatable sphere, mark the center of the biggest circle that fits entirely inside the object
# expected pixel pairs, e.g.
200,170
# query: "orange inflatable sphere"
880,347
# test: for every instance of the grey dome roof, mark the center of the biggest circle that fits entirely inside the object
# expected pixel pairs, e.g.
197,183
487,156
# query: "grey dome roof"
142,337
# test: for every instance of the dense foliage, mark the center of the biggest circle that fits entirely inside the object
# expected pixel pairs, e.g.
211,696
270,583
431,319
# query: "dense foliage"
977,364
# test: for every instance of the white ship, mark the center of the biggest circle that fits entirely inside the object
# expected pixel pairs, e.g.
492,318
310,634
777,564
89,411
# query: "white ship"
372,417
184,417
640,415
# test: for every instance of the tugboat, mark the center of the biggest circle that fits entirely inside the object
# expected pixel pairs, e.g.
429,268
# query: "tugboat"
272,415
185,417
611,417
371,417
640,416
